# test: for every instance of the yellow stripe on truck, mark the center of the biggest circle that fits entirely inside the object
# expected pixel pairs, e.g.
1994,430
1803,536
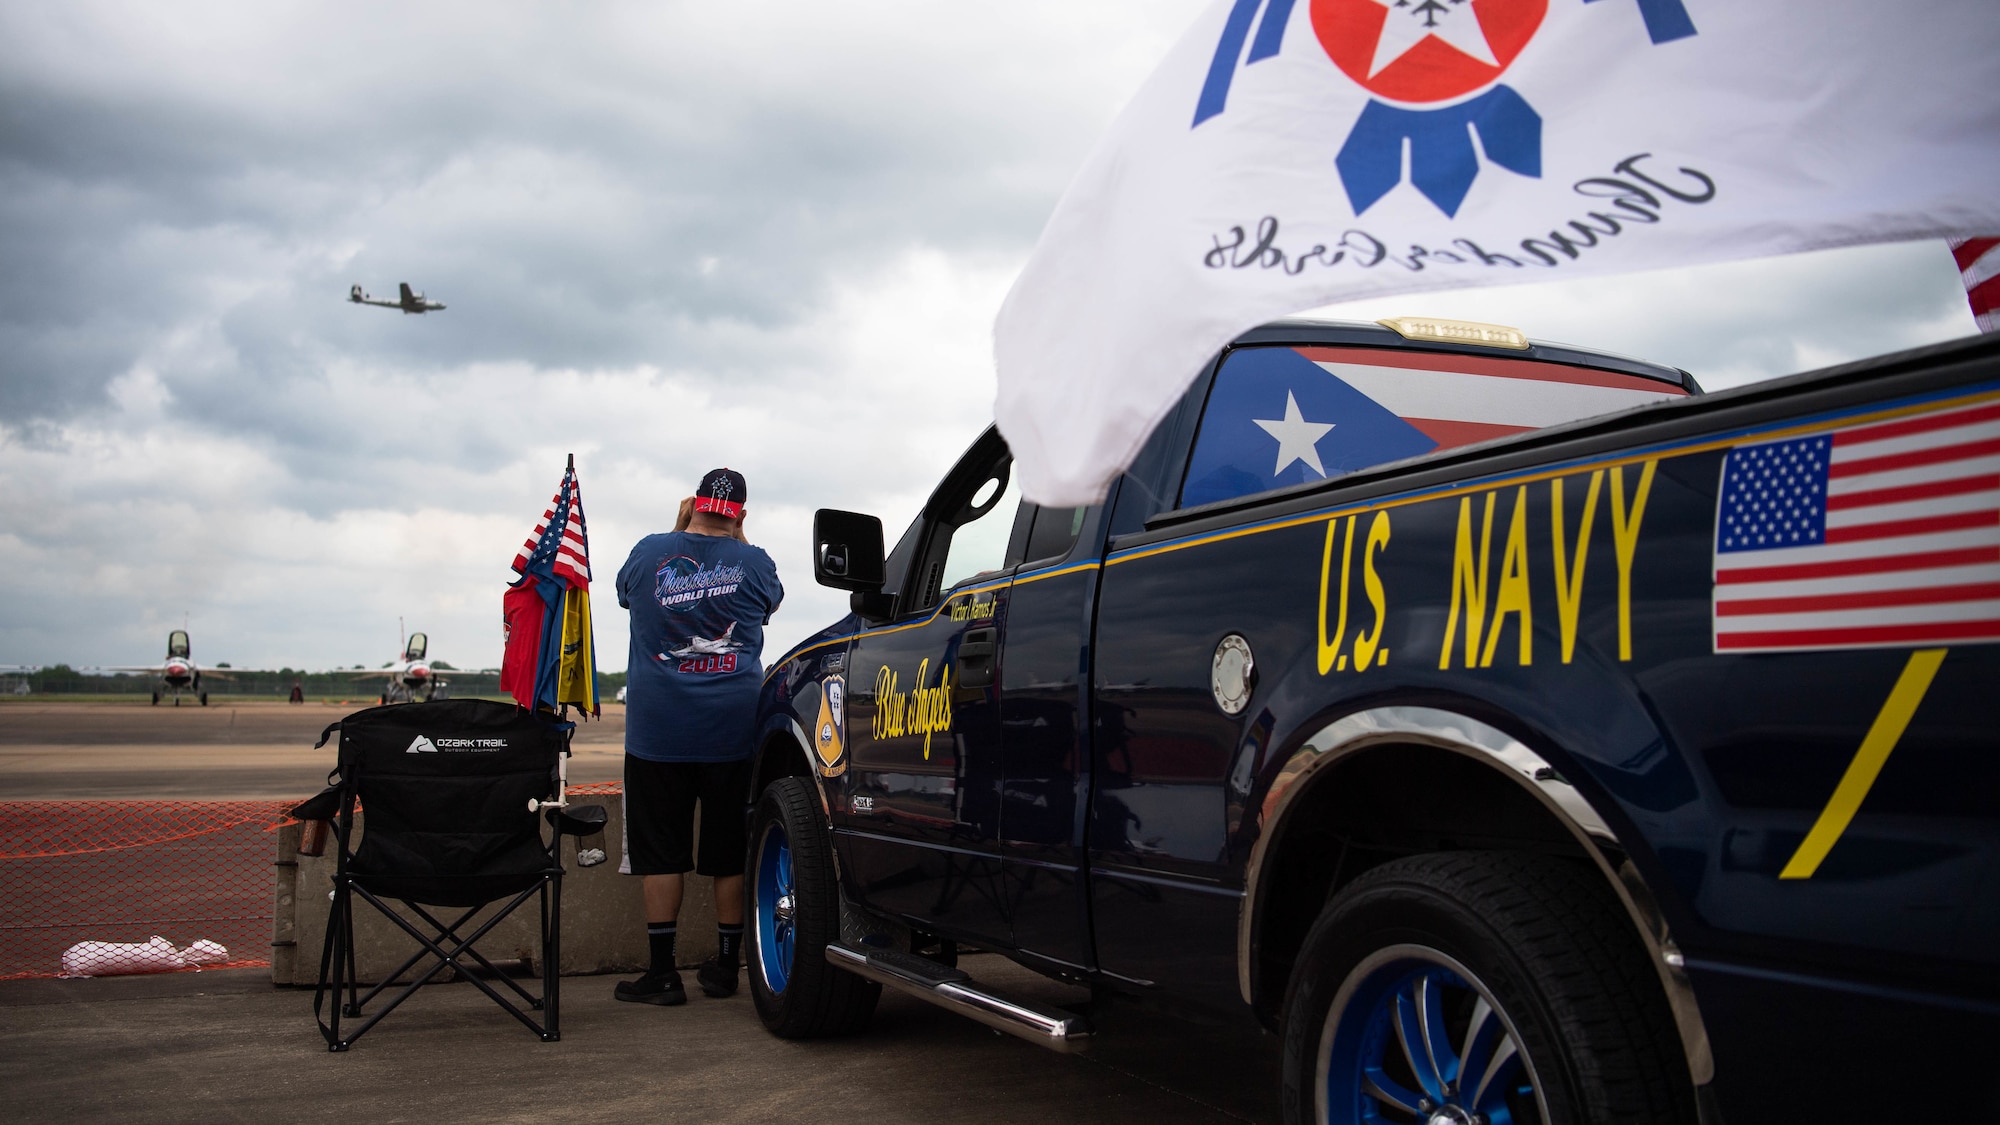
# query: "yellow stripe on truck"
1861,773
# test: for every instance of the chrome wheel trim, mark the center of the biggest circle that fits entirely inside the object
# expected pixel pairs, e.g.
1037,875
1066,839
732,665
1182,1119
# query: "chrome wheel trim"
1490,1038
775,909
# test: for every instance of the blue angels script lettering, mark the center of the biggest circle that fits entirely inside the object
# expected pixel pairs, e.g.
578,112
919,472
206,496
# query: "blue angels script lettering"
922,710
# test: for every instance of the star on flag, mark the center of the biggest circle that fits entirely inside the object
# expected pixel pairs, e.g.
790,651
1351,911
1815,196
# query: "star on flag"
1410,22
1298,439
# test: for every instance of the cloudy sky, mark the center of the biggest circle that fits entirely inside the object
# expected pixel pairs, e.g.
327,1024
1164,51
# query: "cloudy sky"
771,234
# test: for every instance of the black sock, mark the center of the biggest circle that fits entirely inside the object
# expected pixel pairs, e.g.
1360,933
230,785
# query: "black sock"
728,940
660,937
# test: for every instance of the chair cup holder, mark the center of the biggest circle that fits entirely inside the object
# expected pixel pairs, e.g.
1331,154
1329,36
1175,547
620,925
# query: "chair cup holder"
586,823
581,820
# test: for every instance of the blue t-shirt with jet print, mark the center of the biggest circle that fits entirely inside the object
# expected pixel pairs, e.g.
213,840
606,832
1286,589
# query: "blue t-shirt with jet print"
699,604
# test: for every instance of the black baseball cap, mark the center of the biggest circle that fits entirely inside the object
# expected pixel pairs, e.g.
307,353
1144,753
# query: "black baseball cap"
723,492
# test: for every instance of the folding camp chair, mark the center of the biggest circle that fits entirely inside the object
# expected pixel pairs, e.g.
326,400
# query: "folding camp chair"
456,795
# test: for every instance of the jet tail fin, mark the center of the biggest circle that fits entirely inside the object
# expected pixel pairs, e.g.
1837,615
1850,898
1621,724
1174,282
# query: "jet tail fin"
355,294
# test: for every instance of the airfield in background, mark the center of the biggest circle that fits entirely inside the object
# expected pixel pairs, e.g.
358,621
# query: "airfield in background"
230,750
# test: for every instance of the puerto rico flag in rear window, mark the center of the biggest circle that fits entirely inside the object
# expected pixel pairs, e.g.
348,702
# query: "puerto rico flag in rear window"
1280,416
1870,536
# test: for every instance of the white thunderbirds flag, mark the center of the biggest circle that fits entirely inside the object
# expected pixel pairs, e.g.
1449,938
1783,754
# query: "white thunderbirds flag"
1296,153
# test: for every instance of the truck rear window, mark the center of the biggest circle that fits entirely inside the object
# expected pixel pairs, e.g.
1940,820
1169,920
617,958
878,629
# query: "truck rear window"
1280,416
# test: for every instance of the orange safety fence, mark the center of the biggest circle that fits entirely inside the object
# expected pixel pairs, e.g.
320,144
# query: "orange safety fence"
91,888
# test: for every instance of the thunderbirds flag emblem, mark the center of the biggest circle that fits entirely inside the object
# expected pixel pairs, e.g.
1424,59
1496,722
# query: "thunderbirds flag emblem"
1295,153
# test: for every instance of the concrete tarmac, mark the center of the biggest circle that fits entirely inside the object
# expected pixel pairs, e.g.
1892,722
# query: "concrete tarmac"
227,1046
251,750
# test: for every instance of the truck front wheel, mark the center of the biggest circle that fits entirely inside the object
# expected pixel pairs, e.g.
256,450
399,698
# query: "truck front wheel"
1480,987
794,908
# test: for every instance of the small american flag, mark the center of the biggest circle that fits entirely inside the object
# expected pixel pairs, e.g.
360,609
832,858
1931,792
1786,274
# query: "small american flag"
1979,265
560,537
1871,536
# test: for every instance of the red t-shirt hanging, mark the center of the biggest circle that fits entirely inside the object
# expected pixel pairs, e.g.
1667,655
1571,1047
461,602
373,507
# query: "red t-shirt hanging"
522,610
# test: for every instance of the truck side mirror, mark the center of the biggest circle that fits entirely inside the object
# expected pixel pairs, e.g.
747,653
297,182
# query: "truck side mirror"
847,550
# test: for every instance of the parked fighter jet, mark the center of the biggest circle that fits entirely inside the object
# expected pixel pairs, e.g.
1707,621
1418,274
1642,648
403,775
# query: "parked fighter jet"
178,673
411,302
411,678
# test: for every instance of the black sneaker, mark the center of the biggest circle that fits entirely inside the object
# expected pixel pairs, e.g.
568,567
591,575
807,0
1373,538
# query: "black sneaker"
716,979
666,991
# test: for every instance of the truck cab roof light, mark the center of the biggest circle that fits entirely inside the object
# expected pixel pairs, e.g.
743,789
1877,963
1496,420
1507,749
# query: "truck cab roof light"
1456,332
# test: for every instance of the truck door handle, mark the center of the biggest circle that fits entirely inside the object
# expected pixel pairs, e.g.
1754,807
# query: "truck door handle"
975,657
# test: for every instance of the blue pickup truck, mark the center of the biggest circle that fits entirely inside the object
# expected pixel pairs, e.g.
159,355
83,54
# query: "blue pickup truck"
1517,732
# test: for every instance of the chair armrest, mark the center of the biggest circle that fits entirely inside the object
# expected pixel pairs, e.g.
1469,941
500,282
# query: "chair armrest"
324,806
579,820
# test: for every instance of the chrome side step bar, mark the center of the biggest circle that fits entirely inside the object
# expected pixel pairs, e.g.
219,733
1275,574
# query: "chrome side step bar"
1062,1032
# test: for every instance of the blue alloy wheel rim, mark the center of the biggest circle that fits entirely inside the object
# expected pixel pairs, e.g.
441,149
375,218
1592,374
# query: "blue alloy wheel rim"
1413,1039
777,933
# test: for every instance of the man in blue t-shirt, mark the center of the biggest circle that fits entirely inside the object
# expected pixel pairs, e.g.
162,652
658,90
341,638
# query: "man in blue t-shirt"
700,596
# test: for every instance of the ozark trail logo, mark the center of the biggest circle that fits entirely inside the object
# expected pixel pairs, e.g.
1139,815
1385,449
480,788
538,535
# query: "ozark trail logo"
1439,62
423,744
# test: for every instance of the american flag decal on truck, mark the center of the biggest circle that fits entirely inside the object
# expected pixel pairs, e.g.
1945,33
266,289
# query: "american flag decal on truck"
1871,536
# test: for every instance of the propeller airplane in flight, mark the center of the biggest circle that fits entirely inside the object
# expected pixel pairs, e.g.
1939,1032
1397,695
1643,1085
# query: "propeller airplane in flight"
411,302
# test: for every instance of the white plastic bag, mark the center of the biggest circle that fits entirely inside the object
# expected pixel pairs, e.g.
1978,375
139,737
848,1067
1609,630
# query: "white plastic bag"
157,955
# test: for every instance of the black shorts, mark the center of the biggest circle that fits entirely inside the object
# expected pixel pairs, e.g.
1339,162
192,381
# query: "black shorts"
660,798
